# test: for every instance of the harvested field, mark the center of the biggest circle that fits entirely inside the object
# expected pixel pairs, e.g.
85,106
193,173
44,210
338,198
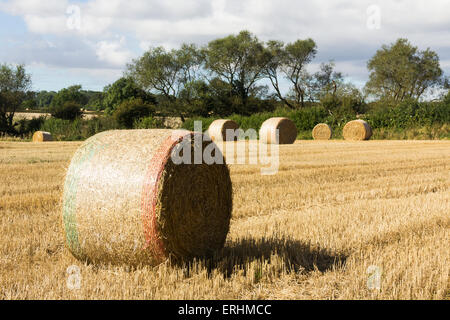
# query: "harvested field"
312,231
32,115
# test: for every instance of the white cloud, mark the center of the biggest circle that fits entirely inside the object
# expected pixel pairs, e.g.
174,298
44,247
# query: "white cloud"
53,25
113,31
46,8
113,52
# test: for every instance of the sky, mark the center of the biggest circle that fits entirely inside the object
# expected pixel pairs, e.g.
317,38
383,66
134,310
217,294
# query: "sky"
89,42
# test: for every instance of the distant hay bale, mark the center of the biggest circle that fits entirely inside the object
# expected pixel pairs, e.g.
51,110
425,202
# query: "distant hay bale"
357,130
287,131
126,202
322,132
42,136
218,130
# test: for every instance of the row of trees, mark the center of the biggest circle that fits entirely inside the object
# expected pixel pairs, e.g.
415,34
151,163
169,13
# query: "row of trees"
45,100
225,76
237,74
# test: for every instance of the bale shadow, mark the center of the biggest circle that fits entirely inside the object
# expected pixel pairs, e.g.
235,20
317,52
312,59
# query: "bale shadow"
296,256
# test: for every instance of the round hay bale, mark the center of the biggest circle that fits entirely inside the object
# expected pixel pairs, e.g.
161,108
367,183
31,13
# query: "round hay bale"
357,130
218,130
322,132
42,136
287,131
125,201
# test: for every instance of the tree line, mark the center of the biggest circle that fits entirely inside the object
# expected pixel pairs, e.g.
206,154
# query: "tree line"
237,74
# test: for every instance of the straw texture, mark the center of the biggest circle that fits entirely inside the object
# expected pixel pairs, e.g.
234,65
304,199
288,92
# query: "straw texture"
42,136
357,130
287,131
322,132
126,202
218,130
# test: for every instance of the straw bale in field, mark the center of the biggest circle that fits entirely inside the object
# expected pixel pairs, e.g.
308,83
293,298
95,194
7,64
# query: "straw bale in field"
286,129
126,201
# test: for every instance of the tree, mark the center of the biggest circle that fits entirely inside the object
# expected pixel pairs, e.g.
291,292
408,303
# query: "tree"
297,56
276,53
14,83
93,99
30,101
239,61
346,99
44,99
70,94
326,81
70,110
199,99
168,73
131,111
122,90
400,71
291,60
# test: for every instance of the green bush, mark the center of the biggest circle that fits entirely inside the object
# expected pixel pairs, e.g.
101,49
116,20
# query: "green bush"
130,111
304,119
26,127
410,113
394,119
71,94
408,120
433,132
123,90
96,125
206,122
68,111
63,130
147,123
79,129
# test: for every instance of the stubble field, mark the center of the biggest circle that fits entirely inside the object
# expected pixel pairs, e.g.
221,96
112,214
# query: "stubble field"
334,211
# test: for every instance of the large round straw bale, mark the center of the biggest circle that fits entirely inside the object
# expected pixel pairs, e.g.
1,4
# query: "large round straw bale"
126,201
322,132
357,130
42,136
286,129
218,130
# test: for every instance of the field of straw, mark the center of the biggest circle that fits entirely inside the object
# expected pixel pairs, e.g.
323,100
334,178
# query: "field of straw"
335,212
33,115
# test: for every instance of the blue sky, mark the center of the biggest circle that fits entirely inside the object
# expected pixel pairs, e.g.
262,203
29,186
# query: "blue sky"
89,42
